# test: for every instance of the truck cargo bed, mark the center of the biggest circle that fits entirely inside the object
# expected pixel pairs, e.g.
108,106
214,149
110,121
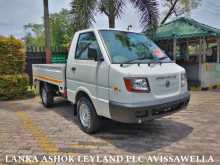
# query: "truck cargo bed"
51,73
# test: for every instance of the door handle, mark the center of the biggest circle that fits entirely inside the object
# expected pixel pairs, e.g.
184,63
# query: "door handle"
73,68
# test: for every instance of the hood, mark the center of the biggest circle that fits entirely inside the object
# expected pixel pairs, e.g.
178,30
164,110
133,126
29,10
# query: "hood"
152,69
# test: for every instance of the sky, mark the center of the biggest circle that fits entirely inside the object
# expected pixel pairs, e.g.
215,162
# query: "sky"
14,14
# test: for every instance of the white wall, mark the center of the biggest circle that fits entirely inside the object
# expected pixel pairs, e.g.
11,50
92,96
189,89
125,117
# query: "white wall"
210,74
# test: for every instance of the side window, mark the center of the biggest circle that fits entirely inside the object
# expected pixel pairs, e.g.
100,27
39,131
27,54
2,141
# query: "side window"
87,47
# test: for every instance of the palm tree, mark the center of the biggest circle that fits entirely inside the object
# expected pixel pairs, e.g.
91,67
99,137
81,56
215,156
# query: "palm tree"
112,9
85,10
47,32
83,13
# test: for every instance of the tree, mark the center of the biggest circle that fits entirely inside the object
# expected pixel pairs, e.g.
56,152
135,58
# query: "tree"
179,7
34,35
83,12
61,31
114,9
47,31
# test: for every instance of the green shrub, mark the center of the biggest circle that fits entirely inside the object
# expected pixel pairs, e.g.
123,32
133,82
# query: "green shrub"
12,55
13,82
13,86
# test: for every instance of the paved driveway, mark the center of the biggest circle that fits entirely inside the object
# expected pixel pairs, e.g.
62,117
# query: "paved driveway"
26,128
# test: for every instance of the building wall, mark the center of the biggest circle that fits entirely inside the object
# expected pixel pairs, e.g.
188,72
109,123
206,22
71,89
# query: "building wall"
210,74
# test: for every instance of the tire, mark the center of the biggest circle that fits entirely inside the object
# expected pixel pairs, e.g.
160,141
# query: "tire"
90,123
46,96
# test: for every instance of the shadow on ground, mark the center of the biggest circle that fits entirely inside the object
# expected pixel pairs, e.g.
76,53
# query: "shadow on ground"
149,136
134,138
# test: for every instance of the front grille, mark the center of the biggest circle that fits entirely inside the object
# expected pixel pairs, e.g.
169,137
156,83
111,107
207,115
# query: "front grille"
159,87
168,109
161,109
142,113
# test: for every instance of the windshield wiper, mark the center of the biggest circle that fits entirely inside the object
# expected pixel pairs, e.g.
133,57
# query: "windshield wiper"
162,58
136,59
132,61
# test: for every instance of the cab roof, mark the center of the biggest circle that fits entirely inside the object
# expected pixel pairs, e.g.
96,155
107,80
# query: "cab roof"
108,29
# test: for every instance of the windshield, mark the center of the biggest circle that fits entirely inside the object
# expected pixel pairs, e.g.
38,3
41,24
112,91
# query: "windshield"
128,47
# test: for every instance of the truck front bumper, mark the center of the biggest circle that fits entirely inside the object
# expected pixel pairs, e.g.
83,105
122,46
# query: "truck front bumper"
139,112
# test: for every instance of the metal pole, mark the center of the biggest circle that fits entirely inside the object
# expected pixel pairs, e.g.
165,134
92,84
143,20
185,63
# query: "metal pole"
174,49
218,50
200,50
204,50
187,51
200,60
47,32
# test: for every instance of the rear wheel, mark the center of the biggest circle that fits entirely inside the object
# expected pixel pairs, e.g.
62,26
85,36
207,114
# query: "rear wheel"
46,96
89,121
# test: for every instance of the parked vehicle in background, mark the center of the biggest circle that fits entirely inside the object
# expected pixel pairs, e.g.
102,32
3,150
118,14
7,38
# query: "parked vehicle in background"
119,75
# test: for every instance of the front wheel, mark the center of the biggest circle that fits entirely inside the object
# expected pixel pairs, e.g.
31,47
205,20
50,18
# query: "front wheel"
88,119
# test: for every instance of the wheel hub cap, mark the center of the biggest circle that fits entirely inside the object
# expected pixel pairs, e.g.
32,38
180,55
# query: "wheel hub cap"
44,96
84,115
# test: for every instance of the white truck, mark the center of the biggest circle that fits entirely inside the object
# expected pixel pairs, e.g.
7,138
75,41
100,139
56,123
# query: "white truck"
120,75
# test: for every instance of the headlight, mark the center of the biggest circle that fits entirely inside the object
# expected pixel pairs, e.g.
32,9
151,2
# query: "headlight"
183,80
137,84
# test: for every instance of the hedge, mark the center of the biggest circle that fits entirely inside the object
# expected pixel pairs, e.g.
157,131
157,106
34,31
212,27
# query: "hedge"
12,55
13,86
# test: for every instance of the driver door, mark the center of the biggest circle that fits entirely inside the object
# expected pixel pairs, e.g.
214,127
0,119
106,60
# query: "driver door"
87,74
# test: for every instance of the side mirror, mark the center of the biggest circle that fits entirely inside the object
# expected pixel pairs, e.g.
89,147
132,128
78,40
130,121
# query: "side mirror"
101,59
92,54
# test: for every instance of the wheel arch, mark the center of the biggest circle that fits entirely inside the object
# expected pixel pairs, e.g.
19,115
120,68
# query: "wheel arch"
49,86
82,93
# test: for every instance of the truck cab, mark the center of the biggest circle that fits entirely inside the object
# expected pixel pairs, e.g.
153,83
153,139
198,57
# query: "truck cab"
120,75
